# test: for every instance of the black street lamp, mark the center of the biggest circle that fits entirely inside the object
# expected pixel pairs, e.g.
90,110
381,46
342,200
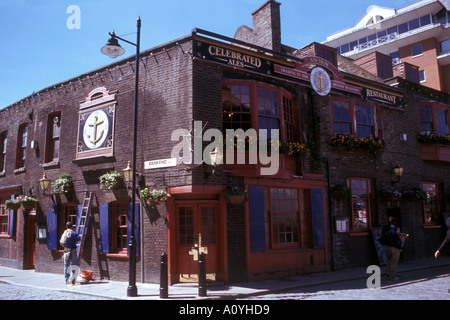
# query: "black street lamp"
113,50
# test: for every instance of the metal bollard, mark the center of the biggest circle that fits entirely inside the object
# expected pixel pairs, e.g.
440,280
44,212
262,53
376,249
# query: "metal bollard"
163,280
202,275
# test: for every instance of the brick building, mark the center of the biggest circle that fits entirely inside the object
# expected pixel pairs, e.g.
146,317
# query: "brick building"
191,90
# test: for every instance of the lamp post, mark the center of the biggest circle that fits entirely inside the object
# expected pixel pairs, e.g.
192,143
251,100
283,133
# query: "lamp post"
113,50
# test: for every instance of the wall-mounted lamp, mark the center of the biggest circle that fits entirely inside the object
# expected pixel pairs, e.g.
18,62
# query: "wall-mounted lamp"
128,172
44,183
398,172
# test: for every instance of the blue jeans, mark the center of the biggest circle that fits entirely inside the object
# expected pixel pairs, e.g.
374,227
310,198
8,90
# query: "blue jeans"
72,261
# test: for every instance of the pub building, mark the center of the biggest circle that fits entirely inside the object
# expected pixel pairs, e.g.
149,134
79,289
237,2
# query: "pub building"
336,132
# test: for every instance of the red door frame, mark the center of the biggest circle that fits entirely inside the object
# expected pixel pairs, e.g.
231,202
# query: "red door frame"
200,195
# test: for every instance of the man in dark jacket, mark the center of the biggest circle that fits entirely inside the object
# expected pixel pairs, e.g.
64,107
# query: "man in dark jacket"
69,240
391,241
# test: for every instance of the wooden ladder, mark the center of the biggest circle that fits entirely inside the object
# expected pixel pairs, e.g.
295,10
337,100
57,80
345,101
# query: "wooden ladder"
83,222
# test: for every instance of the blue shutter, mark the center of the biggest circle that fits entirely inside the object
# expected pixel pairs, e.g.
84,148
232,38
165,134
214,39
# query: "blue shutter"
318,220
257,218
104,227
12,216
52,227
136,226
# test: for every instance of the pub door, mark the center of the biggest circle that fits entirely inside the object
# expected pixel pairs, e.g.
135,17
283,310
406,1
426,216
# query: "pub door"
30,241
196,228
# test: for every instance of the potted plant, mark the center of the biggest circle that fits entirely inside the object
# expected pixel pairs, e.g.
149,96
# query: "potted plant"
154,197
236,195
416,194
110,180
294,149
27,202
63,183
391,195
340,192
12,204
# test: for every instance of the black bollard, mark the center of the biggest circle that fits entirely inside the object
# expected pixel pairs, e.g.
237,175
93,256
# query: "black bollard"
163,280
201,275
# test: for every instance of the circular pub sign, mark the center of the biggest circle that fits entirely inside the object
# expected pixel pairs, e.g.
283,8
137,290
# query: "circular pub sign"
320,81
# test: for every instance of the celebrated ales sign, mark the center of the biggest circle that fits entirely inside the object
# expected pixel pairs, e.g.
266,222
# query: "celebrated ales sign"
221,54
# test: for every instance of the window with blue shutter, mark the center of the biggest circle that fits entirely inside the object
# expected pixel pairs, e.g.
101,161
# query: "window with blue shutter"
12,216
257,219
52,227
104,227
318,218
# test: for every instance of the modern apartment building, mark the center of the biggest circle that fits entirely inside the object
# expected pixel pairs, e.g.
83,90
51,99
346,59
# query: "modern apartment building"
416,37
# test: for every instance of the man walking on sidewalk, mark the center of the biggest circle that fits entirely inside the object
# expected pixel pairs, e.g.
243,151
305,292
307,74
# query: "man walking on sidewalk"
447,239
69,240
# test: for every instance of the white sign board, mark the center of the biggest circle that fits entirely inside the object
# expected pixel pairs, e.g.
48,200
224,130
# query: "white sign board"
162,163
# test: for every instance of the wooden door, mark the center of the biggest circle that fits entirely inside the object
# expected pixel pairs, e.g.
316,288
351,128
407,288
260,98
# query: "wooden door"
30,238
196,227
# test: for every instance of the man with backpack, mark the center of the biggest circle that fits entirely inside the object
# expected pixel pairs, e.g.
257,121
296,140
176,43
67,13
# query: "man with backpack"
69,240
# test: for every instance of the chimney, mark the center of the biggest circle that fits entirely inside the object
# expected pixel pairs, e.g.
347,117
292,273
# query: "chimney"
267,26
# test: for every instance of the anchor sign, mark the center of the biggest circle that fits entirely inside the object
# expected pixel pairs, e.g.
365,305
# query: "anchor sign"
95,129
320,81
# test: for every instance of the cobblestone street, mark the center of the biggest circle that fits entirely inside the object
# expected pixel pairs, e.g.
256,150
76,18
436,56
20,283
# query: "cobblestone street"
427,284
17,292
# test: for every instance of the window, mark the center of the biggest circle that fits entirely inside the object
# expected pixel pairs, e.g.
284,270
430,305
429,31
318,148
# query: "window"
22,146
53,137
290,225
351,116
434,118
422,77
4,218
425,20
362,203
432,208
416,50
341,117
3,143
236,107
414,24
444,45
442,121
119,242
248,104
395,56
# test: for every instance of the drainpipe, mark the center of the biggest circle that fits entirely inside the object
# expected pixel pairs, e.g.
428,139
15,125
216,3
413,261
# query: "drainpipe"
312,96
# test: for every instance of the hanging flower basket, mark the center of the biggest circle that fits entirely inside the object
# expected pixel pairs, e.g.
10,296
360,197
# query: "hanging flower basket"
63,184
12,204
154,197
294,149
27,202
236,195
110,180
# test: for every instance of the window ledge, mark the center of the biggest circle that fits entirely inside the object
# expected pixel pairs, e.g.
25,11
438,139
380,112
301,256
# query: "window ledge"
117,255
20,170
431,226
53,163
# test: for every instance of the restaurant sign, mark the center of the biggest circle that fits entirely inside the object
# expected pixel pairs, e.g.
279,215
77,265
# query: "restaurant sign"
382,97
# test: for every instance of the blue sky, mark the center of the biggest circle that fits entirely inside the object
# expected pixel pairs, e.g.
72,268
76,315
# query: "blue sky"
39,49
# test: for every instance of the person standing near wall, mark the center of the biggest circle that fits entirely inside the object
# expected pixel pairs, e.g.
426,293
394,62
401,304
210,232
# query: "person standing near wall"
391,240
69,240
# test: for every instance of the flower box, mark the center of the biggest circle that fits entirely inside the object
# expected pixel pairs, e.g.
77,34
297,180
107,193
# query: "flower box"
435,152
236,199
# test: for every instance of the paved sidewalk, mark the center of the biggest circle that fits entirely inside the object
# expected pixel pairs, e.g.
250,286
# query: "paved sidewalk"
118,289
